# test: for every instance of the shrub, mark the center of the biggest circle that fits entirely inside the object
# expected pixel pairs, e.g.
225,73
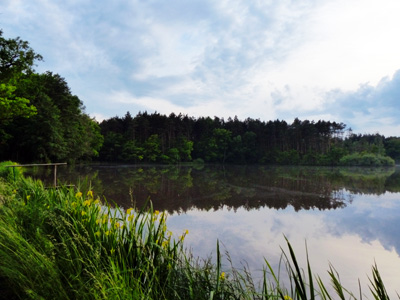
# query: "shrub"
366,159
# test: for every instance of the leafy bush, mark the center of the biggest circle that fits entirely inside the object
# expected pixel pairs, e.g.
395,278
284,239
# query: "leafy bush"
366,159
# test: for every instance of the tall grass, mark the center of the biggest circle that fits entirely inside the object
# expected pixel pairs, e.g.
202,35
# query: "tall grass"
67,244
10,173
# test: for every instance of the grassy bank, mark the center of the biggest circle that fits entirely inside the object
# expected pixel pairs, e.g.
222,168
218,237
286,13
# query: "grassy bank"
66,244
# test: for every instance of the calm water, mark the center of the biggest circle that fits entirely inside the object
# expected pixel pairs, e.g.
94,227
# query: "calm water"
347,217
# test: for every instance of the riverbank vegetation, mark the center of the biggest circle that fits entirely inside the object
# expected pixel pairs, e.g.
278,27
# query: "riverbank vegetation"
42,121
66,243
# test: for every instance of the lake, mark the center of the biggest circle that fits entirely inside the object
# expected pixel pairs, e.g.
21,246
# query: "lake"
347,217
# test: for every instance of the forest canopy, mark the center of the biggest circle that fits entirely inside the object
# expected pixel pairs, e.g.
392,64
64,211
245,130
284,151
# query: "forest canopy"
42,121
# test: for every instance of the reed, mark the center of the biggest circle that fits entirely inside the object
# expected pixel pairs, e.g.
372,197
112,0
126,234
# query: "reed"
67,244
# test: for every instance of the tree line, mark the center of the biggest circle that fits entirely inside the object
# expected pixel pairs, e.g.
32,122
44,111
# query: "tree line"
42,121
154,137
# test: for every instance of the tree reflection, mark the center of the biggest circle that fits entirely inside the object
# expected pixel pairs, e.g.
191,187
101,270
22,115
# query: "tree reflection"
178,189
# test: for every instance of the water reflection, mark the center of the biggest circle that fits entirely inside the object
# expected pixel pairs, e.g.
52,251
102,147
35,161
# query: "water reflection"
330,236
349,217
372,218
179,189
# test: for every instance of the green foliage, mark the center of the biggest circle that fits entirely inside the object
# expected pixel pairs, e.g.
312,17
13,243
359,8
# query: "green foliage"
185,148
378,289
216,140
290,157
113,150
370,143
136,139
51,125
60,131
173,156
16,57
131,152
152,148
205,138
392,147
84,250
222,139
10,173
94,139
330,158
12,106
366,159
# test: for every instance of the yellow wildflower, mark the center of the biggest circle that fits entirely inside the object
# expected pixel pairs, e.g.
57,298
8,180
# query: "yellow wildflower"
107,232
130,218
83,213
128,211
28,197
73,204
222,276
14,191
156,212
164,244
90,194
287,297
97,233
97,201
98,221
87,202
112,251
186,231
117,225
78,195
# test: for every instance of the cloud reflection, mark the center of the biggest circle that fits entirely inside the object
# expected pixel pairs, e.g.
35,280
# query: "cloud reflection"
372,219
351,238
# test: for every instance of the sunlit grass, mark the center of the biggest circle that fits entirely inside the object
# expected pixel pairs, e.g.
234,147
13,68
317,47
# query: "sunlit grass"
68,244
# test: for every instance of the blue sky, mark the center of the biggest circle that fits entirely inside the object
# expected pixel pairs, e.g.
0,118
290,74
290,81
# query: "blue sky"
334,60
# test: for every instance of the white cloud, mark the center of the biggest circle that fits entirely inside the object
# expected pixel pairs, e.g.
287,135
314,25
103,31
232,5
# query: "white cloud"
145,103
259,59
174,55
347,43
99,117
164,106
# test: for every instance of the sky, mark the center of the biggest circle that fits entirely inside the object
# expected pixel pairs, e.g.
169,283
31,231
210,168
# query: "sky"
334,60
